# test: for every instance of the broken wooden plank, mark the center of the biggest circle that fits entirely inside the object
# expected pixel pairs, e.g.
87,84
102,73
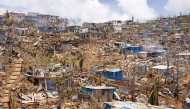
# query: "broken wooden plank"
16,73
13,77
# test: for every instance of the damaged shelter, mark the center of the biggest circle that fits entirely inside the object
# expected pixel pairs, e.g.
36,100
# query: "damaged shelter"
119,44
186,101
46,88
129,105
21,31
113,74
155,51
161,69
144,54
132,49
38,98
103,93
141,67
183,59
58,47
45,72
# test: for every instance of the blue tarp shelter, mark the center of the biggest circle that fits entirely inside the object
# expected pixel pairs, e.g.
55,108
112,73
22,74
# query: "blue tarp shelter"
125,28
166,29
148,35
50,85
119,34
1,20
167,73
186,42
134,49
114,73
99,91
124,107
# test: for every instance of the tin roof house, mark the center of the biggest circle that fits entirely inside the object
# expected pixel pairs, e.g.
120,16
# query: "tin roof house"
141,67
102,93
1,20
23,31
111,74
184,58
45,29
144,54
162,39
156,51
132,49
167,29
129,105
161,69
43,71
2,35
184,55
119,44
148,35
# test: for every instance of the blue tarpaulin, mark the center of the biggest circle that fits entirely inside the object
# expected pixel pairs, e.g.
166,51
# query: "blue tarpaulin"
167,74
166,29
28,73
134,49
1,20
50,85
124,107
148,35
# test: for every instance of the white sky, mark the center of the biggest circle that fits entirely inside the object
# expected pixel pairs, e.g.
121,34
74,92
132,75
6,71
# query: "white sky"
93,10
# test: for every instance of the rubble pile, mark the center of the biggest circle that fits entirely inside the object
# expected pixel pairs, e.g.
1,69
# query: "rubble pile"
33,96
95,65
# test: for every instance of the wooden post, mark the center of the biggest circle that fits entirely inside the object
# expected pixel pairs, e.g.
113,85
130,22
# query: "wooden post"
133,85
21,102
34,102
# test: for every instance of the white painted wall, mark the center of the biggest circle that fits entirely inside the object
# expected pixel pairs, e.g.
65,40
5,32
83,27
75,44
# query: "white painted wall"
84,30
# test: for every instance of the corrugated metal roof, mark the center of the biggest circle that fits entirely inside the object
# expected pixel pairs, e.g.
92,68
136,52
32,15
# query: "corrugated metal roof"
183,53
161,67
133,105
99,87
113,69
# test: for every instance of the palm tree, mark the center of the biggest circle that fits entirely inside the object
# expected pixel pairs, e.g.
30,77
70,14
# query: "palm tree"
153,99
8,21
168,64
81,60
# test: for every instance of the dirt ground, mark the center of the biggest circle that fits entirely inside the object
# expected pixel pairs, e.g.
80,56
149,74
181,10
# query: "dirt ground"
94,55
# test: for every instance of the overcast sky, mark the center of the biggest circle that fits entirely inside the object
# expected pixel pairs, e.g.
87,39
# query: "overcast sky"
99,10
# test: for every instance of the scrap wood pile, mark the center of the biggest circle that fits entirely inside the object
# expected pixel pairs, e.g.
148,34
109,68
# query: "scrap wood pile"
35,96
70,36
27,53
